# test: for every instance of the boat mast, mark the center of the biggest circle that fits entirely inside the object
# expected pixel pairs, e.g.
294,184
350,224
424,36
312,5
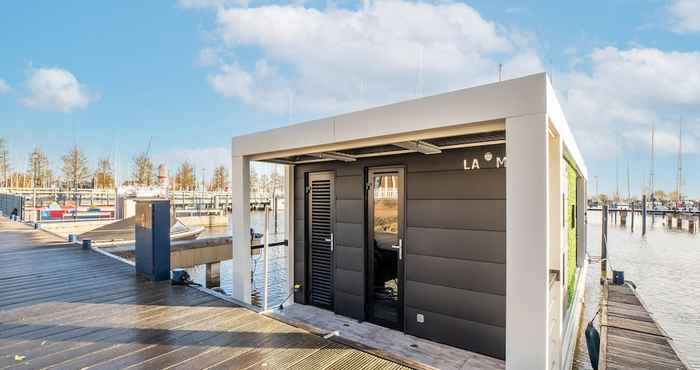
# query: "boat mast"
617,166
679,178
629,193
651,171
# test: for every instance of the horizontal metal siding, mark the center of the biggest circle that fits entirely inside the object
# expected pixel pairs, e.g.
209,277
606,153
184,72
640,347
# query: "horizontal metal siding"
465,214
474,245
456,184
459,303
455,261
461,274
473,336
456,250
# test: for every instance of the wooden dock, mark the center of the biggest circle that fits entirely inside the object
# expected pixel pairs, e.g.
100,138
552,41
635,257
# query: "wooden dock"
630,337
62,307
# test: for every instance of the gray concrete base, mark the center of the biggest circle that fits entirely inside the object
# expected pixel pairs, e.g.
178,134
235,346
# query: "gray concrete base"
432,354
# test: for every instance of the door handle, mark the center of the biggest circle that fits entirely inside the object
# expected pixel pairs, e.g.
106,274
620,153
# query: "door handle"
330,240
400,248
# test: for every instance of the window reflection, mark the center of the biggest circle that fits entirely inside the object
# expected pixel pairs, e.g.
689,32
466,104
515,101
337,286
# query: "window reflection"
386,206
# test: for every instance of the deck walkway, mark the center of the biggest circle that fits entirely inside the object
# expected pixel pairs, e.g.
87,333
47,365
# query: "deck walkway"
630,337
65,308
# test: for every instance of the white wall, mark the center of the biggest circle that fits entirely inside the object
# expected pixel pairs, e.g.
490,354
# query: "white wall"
527,267
240,227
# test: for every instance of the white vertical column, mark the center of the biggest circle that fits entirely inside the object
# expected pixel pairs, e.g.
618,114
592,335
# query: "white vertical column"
289,227
557,241
240,205
527,270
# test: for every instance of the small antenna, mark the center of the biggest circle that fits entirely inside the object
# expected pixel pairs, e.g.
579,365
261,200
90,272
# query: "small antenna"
679,180
419,87
290,103
500,72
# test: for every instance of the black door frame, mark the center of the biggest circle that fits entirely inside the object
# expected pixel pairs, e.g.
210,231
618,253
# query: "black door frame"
400,170
308,235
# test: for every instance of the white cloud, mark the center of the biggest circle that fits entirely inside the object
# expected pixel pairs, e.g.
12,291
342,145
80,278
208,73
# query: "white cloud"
4,87
336,59
685,15
628,90
208,57
56,89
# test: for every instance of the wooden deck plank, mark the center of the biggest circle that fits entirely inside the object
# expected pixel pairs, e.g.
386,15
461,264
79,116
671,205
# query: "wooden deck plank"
322,358
64,308
631,338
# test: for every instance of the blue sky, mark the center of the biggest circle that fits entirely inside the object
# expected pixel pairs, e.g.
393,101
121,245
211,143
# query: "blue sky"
193,73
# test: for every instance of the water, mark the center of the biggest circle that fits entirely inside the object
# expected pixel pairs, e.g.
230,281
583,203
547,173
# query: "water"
277,263
665,267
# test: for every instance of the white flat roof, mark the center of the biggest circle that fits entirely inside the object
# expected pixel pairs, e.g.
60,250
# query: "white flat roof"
477,109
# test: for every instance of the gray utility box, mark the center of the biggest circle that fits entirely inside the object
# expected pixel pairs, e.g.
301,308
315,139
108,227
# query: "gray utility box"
153,238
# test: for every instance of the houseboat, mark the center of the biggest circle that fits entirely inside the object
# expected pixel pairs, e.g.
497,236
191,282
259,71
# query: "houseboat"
458,217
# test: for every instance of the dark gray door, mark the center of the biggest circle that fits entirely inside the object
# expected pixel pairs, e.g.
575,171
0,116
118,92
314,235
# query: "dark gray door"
321,221
386,246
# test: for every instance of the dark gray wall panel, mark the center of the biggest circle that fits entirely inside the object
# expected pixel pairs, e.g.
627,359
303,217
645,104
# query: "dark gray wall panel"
464,304
350,169
349,187
350,211
299,247
458,184
299,206
457,214
299,188
349,258
461,274
299,226
487,246
350,305
476,337
454,159
300,277
455,244
349,282
349,235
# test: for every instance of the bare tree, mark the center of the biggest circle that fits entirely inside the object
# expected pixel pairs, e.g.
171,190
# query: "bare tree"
4,163
219,180
184,177
144,171
39,168
104,176
75,169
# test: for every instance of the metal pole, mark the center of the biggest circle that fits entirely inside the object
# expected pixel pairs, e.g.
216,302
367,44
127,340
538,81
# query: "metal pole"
644,215
632,219
604,246
266,250
274,210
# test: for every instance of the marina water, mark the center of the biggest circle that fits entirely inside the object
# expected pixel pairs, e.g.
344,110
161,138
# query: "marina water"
664,266
277,265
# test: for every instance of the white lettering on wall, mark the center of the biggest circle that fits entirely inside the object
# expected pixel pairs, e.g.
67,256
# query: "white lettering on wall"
474,163
500,162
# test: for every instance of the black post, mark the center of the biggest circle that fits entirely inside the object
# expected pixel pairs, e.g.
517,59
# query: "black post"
644,215
152,231
604,246
274,207
632,206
